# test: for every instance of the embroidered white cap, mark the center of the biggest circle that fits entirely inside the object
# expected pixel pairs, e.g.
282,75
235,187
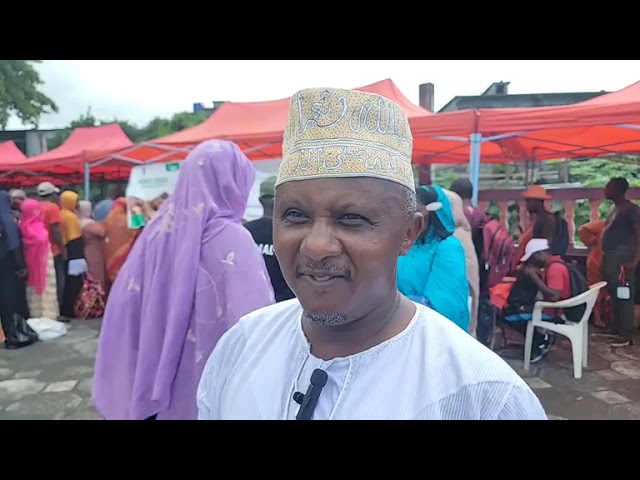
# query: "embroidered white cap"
535,245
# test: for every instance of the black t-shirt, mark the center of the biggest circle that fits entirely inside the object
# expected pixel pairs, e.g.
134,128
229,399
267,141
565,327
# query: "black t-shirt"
620,233
262,232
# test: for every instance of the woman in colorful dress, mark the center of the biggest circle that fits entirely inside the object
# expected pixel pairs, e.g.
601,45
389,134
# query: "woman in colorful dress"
93,235
42,295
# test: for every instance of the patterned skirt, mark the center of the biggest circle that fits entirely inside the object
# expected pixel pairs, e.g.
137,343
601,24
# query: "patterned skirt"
45,305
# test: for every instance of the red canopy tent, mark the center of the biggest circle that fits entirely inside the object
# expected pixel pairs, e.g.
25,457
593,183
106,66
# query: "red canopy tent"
258,127
10,153
605,125
84,145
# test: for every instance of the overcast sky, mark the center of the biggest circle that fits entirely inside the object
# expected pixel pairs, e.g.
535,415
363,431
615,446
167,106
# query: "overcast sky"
138,90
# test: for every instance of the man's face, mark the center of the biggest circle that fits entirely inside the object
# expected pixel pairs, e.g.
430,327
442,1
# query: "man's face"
538,259
16,202
533,205
338,242
610,191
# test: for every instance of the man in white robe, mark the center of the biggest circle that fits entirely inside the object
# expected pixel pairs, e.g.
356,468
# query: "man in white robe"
345,209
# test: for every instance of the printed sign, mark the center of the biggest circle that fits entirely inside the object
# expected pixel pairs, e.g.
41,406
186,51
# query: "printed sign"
149,185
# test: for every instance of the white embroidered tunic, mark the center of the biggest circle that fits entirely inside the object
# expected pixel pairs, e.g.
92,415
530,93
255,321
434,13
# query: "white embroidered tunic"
431,371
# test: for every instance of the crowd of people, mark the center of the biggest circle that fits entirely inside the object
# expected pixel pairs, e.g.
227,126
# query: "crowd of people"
353,280
355,286
51,242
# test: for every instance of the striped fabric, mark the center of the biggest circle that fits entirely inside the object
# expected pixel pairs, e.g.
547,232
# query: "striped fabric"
431,371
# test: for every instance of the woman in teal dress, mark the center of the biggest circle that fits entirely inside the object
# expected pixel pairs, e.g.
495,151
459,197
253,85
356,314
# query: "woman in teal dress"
434,271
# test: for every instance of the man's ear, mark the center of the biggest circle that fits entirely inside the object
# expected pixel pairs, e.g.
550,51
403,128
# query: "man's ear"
415,227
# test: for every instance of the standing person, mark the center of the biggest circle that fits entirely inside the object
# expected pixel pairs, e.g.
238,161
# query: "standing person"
482,311
345,210
463,233
103,207
434,272
17,197
591,235
546,224
262,232
477,220
41,274
93,235
476,217
193,272
49,197
621,253
13,274
76,265
119,239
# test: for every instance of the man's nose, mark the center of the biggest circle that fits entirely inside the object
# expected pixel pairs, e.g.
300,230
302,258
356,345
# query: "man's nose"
320,242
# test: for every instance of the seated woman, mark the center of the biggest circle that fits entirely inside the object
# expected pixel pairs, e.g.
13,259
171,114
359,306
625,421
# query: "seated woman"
434,271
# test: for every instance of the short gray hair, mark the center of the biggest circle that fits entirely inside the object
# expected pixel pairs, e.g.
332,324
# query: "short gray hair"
409,203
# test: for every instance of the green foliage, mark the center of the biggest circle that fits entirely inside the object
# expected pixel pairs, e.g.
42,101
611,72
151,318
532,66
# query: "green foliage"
590,173
84,120
19,94
158,127
596,172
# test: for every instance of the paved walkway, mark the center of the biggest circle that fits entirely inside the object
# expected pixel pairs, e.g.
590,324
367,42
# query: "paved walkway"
608,390
52,380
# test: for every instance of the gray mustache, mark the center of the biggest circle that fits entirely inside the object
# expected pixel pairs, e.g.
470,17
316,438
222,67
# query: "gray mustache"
328,268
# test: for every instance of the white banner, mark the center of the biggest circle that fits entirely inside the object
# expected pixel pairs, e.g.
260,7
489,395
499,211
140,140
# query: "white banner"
148,183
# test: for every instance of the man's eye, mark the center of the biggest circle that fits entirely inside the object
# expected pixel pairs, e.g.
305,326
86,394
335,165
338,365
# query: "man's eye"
353,219
294,215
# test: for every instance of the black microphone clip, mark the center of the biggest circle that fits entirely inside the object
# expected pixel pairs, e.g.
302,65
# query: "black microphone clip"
309,400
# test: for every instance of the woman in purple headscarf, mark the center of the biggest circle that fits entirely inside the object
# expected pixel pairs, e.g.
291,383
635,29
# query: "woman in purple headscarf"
192,273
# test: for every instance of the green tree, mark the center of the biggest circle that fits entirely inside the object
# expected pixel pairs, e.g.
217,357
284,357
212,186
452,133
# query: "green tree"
84,120
157,127
20,94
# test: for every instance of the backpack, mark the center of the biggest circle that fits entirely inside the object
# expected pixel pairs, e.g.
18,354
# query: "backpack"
477,220
498,251
522,296
560,243
579,285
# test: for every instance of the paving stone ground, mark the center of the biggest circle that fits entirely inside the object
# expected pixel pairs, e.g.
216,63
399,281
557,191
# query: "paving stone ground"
608,390
52,380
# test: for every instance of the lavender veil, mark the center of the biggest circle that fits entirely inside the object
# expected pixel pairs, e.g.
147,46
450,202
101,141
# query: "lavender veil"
193,272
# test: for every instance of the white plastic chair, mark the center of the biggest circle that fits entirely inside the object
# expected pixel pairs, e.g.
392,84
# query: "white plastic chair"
577,333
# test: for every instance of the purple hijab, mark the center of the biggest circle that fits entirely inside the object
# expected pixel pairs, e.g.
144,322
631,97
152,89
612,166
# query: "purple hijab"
192,273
